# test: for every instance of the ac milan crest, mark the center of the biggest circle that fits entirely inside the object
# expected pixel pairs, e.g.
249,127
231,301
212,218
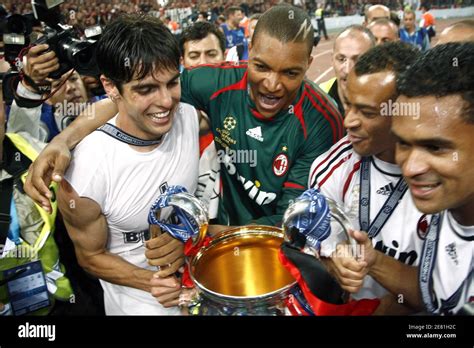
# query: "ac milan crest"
422,227
281,164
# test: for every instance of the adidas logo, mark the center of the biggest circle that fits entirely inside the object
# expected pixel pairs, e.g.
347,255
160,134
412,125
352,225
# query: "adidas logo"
386,190
255,133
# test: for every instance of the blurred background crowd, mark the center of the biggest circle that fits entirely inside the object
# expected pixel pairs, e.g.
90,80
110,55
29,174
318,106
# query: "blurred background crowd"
178,14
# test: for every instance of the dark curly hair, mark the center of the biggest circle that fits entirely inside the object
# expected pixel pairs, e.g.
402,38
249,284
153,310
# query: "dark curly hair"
394,56
441,71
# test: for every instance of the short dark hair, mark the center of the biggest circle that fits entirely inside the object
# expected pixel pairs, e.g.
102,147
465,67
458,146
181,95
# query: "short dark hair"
393,56
386,22
287,24
199,31
360,28
395,18
382,21
135,45
441,71
231,10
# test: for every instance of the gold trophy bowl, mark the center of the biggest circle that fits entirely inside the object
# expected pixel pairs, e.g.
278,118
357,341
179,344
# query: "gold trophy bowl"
239,272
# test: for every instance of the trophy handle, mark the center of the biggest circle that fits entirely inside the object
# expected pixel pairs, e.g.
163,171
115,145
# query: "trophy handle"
300,207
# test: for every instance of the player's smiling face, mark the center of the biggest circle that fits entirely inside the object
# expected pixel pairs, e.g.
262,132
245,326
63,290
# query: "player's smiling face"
367,129
275,72
150,104
435,152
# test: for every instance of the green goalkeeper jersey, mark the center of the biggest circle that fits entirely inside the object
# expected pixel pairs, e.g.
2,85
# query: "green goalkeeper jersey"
264,162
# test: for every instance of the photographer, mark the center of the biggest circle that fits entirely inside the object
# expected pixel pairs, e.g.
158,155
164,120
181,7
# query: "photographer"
45,121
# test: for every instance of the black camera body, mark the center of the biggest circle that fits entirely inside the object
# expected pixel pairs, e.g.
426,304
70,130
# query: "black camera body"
72,53
16,32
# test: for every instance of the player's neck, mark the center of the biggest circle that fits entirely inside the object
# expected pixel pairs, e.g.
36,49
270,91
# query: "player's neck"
464,215
387,156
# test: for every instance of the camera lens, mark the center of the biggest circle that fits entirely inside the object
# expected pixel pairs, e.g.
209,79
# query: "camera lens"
81,54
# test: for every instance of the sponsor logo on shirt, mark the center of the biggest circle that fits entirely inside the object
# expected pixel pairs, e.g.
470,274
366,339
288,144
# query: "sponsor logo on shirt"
135,237
407,257
252,188
255,133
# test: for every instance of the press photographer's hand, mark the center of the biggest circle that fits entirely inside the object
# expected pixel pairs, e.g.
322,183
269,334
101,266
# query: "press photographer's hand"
39,63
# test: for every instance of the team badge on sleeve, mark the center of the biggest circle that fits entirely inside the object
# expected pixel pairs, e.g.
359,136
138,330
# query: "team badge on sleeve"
230,123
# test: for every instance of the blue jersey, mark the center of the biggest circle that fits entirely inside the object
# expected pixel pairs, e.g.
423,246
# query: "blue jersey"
419,38
232,36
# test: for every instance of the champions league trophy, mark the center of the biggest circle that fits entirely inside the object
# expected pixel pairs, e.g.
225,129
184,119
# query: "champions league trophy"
238,272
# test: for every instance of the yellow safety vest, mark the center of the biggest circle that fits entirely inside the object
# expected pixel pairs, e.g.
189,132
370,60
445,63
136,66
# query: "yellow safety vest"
44,248
318,13
326,86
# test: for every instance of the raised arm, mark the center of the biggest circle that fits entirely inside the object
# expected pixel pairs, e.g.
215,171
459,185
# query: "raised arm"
53,161
88,230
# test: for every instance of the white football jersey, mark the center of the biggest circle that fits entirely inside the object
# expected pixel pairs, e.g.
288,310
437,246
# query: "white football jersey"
208,189
337,174
125,183
453,270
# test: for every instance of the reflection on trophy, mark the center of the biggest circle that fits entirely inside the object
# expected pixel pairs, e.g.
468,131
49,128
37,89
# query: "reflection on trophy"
238,272
319,223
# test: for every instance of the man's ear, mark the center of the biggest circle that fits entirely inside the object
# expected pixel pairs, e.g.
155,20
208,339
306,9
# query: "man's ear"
310,60
109,87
